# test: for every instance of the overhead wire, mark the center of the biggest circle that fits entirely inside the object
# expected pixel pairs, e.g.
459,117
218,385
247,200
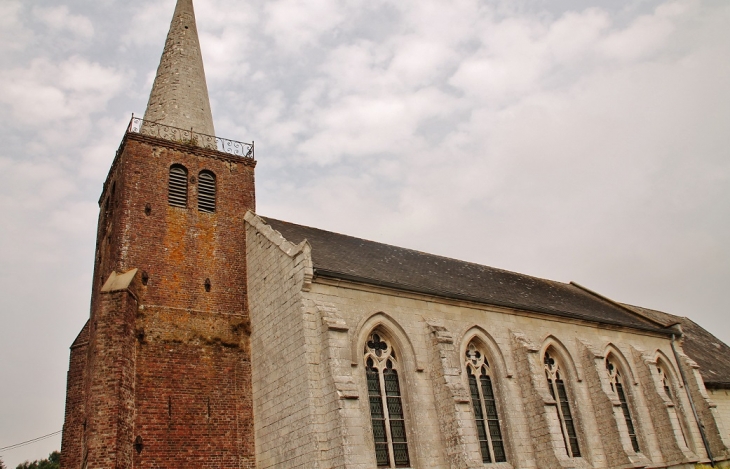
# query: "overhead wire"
18,445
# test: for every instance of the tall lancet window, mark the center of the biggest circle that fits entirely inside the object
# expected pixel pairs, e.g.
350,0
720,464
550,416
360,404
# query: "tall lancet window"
485,406
617,385
556,384
666,381
386,405
177,186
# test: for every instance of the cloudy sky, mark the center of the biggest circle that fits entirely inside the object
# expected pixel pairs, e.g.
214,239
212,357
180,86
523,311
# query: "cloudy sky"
573,140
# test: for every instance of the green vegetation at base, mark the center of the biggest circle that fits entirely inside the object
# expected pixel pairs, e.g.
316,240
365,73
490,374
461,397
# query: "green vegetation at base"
52,462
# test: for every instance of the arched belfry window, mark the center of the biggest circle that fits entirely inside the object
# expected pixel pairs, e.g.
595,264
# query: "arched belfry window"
206,192
617,385
556,384
485,406
386,405
177,188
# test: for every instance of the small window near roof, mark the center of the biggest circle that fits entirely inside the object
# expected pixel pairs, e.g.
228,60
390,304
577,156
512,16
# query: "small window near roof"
177,189
206,192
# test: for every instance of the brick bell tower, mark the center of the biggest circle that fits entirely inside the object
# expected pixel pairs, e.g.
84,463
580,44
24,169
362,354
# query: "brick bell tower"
160,376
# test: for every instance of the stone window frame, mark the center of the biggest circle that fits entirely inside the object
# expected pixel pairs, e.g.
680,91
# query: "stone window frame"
556,350
476,343
385,392
667,380
390,329
623,375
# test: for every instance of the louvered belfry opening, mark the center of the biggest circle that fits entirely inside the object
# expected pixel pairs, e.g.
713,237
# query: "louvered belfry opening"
177,189
206,192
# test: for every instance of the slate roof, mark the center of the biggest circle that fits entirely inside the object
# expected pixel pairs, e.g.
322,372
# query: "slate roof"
345,257
710,353
349,258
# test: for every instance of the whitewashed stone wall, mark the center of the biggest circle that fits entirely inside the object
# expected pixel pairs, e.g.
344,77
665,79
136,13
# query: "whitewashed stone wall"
721,397
283,390
310,391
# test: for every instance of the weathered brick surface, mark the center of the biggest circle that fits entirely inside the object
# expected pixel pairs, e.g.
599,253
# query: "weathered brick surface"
110,382
179,248
167,362
73,424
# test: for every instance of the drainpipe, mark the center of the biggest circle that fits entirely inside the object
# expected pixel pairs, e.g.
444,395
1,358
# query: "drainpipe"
692,403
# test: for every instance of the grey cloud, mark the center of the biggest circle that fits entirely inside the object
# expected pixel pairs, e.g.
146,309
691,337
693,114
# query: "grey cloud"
564,139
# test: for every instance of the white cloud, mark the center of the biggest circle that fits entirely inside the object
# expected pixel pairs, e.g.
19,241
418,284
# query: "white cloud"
149,25
295,23
44,91
14,36
60,19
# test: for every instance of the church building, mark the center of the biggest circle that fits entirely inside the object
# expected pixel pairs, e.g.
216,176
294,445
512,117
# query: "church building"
221,338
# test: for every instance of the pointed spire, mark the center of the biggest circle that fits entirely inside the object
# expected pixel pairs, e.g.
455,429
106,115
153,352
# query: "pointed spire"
179,96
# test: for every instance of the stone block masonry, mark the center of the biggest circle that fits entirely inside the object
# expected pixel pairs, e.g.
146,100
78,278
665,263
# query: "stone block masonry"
179,96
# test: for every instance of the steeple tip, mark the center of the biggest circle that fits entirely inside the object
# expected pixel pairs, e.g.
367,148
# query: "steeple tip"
179,96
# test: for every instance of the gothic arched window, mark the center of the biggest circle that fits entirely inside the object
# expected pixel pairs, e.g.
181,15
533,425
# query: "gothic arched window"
177,188
485,406
617,385
386,406
556,384
206,192
666,381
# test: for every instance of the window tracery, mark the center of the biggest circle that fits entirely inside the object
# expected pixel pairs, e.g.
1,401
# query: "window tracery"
386,406
617,385
556,384
484,405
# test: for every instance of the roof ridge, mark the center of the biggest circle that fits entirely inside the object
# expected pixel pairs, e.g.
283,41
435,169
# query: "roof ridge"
567,284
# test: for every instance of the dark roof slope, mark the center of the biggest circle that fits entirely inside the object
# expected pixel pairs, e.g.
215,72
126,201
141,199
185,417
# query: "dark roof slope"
710,353
349,258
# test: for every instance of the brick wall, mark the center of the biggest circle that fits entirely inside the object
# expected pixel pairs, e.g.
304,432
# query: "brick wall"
173,370
73,425
110,382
